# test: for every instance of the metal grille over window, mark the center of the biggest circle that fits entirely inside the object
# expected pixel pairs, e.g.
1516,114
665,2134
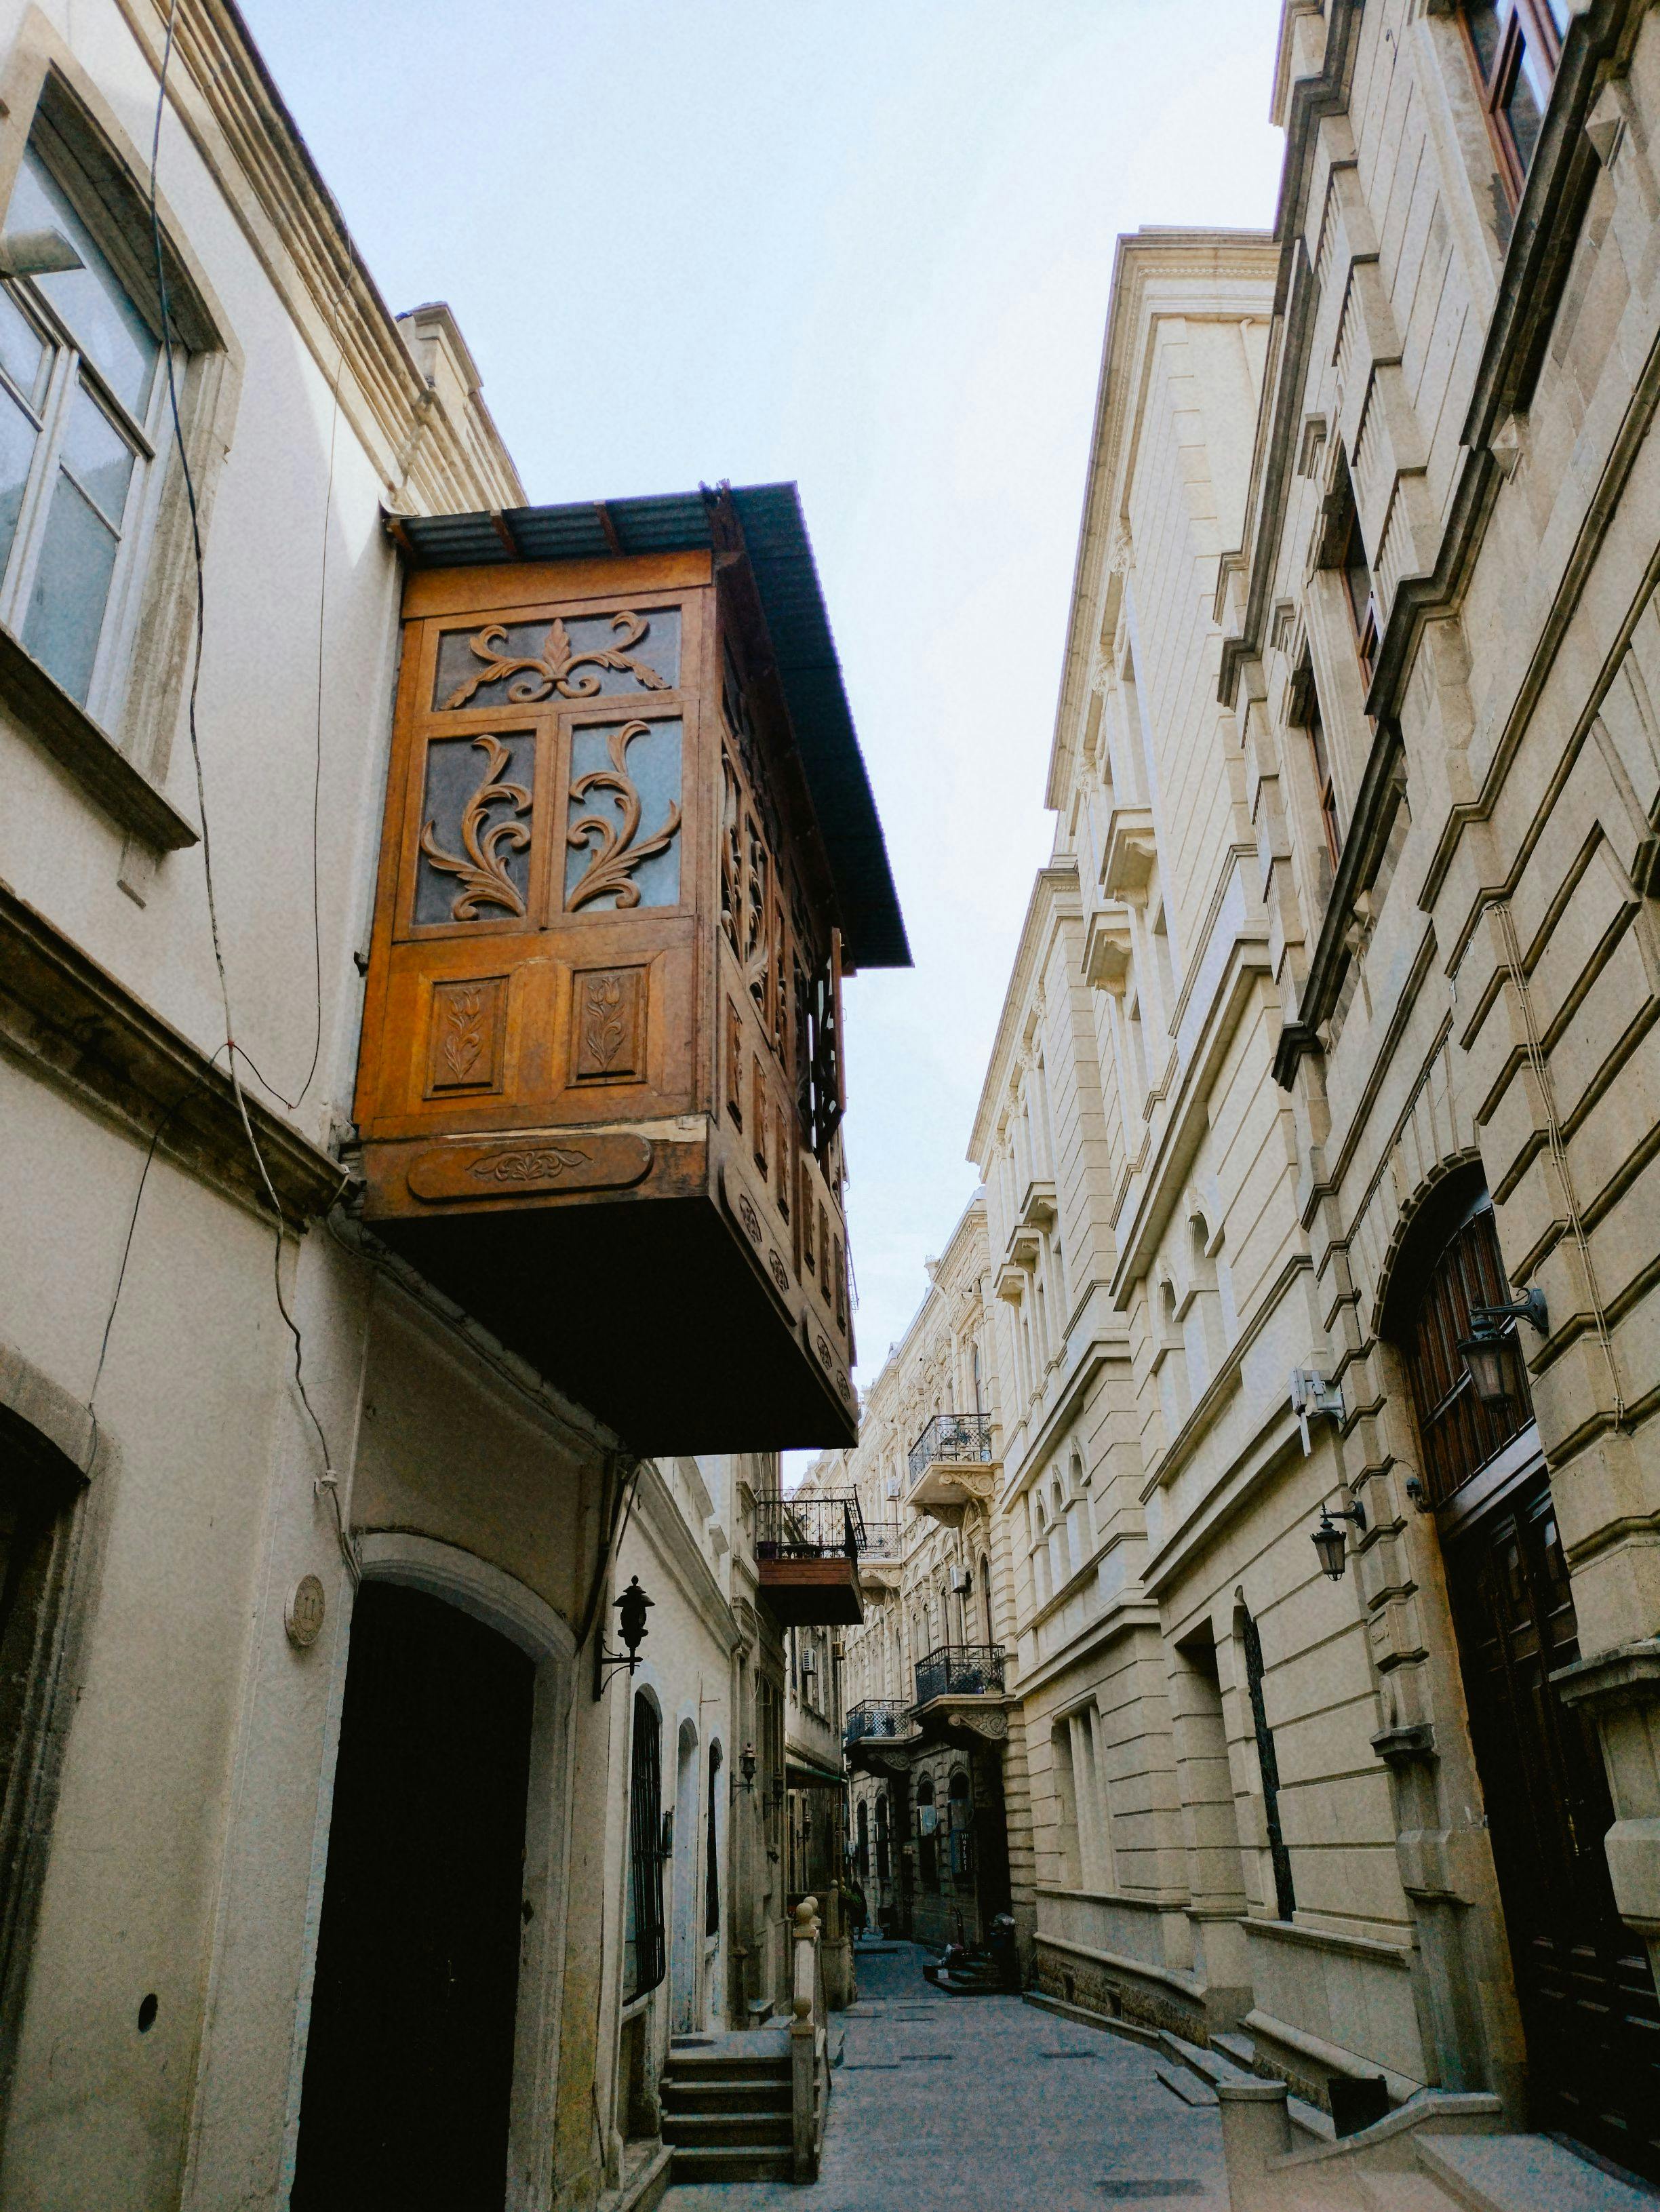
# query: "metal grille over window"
1284,1895
645,1952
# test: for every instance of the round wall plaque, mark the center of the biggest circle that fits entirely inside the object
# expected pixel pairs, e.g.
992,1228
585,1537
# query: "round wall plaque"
302,1616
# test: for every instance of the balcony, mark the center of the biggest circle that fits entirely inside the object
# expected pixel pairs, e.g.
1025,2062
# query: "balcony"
628,855
806,1557
959,1686
876,1735
951,1466
882,1557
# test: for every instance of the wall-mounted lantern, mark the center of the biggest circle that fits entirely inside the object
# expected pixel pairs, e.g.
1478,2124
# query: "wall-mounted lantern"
1491,1352
746,1768
631,1609
1329,1538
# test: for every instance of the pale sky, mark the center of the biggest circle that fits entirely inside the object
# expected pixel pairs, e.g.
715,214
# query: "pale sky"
862,244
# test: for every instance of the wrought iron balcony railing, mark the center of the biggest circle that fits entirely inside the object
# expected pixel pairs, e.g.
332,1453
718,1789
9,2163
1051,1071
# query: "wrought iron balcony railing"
808,1528
885,1542
960,1670
951,1436
876,1717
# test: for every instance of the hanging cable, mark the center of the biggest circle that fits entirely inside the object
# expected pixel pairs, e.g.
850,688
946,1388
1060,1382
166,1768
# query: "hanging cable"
327,1480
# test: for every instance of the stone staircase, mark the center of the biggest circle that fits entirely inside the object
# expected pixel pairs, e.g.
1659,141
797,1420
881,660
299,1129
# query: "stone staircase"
725,2106
1435,2153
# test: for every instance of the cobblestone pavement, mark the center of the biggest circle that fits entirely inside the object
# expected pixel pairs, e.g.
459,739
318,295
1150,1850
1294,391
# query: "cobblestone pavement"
988,2104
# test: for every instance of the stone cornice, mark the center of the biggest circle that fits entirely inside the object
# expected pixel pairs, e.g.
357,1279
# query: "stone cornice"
1054,883
221,92
71,1021
1187,261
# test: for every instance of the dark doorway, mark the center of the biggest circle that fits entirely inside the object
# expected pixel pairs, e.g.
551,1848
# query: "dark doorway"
1582,1978
1583,1983
409,2066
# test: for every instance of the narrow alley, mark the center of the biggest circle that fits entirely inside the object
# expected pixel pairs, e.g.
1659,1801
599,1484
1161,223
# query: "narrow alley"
968,2104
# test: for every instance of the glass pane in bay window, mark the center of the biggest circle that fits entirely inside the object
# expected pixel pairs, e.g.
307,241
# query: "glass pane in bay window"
71,585
97,457
17,442
475,835
1487,29
1525,103
569,657
22,350
623,826
92,300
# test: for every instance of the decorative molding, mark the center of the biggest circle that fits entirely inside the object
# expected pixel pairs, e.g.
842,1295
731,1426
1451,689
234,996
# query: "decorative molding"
63,1015
220,92
550,670
992,1726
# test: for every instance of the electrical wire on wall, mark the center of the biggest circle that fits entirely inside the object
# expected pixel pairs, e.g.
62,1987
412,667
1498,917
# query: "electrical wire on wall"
326,1480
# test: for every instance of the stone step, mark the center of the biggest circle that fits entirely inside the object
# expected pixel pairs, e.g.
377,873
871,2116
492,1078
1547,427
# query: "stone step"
679,2095
1525,2173
1187,2085
767,2130
728,2164
726,2064
1399,2192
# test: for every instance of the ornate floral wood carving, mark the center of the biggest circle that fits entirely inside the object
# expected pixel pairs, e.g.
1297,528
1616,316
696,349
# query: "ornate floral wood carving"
465,1050
609,1025
610,1160
551,670
483,871
531,1164
616,855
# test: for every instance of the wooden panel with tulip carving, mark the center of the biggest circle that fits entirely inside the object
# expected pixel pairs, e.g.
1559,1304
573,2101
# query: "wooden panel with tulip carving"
536,940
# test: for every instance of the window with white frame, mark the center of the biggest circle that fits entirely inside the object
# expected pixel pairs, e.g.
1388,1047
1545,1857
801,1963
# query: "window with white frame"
83,401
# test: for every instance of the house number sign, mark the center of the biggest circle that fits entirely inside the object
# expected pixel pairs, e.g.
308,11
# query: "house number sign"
302,1616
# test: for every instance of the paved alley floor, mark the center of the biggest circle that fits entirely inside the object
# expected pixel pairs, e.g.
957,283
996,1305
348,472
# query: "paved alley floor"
988,2104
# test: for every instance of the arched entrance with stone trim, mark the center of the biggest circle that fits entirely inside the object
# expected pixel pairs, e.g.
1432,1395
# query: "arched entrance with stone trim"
1586,1995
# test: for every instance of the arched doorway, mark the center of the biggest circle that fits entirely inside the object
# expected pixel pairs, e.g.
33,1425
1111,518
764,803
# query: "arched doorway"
1583,1983
686,1949
408,2085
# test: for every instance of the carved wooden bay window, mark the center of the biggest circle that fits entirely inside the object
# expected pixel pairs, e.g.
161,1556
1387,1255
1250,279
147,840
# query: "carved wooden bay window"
625,841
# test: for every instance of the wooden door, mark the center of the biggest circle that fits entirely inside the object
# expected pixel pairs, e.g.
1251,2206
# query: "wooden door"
409,2064
1582,1978
1582,1982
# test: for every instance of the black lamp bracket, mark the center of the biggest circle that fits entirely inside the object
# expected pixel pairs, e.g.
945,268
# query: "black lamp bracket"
1530,1308
1356,1513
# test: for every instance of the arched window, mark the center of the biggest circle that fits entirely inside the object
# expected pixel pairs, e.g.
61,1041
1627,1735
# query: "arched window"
711,1855
862,1849
645,1952
985,1598
882,1856
928,1834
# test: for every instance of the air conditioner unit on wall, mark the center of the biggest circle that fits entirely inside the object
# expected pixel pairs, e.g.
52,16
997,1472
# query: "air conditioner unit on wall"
810,1661
962,1581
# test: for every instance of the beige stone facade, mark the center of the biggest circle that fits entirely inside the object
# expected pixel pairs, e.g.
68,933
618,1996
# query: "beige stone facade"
233,1460
1330,1036
937,1821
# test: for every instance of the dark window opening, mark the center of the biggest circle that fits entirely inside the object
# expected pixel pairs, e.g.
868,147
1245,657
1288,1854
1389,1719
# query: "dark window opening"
711,1856
645,1951
1323,782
